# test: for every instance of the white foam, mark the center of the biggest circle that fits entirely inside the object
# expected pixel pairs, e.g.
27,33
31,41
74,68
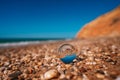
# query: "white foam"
24,43
19,43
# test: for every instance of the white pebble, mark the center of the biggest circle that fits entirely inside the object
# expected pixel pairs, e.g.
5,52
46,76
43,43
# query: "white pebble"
51,74
118,78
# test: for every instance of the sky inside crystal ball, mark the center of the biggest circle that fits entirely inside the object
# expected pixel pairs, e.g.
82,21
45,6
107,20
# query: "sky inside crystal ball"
68,58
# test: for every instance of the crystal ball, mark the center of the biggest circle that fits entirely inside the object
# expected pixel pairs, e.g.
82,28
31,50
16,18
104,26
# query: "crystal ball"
67,53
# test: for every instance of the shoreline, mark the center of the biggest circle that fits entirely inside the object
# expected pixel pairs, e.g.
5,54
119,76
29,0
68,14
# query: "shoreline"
23,43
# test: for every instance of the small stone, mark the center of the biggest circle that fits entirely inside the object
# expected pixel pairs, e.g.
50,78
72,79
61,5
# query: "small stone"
100,71
51,74
82,69
113,74
67,66
91,63
79,78
106,53
15,74
111,61
2,69
6,64
39,63
30,70
68,76
114,47
42,76
62,76
91,58
118,78
85,77
98,75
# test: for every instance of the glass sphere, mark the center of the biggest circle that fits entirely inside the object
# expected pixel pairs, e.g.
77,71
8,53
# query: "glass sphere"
67,53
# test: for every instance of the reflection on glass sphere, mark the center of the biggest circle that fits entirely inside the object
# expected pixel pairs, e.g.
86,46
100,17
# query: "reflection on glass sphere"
66,52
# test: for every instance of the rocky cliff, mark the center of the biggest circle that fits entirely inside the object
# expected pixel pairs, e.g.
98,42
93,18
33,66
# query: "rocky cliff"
105,25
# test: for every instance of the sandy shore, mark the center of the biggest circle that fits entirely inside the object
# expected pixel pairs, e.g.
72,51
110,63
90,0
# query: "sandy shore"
97,59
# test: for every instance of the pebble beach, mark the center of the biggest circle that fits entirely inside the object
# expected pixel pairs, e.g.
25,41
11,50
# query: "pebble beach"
97,59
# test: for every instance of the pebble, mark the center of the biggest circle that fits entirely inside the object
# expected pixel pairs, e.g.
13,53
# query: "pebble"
43,63
91,63
79,78
68,76
15,74
67,66
98,75
100,71
85,77
118,78
51,74
62,76
2,69
29,70
6,64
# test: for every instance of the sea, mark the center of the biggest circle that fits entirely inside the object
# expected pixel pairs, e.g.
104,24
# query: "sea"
25,41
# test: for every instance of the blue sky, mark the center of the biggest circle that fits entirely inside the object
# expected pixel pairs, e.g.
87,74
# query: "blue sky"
49,18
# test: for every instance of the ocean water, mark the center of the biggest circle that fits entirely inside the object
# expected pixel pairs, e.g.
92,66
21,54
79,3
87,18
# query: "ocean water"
25,41
11,40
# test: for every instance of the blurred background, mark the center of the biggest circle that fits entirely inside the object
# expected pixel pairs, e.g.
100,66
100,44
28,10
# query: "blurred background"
48,19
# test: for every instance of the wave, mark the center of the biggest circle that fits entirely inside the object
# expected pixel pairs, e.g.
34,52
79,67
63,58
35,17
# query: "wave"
24,43
18,43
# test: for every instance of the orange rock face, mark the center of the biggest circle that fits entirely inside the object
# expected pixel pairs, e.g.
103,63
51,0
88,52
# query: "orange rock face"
105,25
